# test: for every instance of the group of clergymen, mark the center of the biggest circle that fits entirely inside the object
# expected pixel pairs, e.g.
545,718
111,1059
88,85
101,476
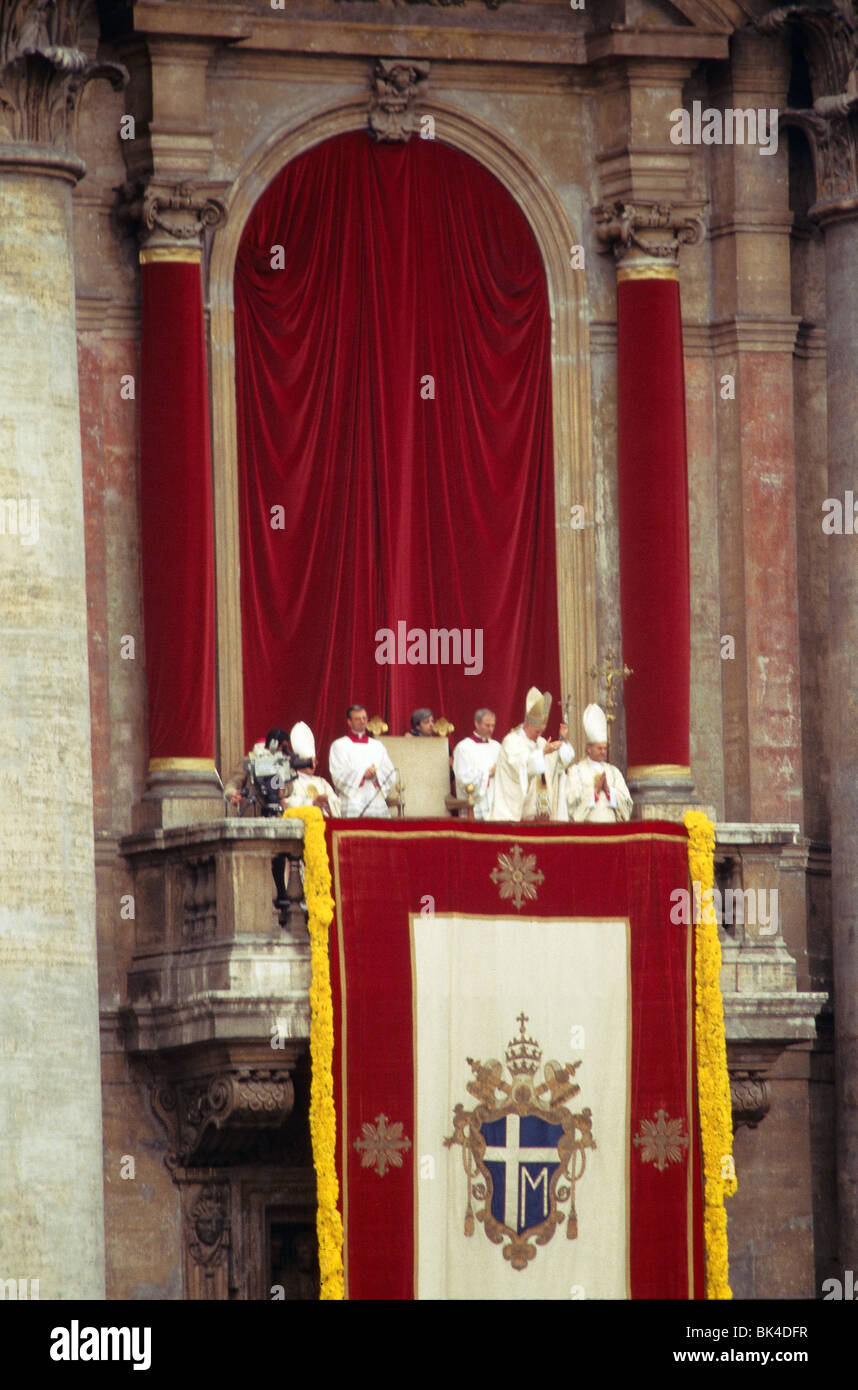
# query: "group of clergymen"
525,778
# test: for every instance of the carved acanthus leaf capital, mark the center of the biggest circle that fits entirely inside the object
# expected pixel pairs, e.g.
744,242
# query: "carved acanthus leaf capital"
46,59
395,85
830,124
652,229
171,212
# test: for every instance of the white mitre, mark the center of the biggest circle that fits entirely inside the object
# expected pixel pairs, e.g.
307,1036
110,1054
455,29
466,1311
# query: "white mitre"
302,741
595,725
537,706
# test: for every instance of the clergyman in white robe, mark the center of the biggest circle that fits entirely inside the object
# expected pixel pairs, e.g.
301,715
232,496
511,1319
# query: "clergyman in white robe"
474,762
519,790
308,788
582,801
349,760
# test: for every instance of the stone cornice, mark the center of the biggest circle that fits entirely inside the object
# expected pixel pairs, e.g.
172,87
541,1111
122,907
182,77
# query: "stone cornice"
775,334
508,31
762,223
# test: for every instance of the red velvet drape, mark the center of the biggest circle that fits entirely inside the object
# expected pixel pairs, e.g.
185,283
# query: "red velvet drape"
398,263
176,513
653,515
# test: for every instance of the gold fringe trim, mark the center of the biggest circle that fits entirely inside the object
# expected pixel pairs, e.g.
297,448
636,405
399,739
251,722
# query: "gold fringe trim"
713,1082
323,1119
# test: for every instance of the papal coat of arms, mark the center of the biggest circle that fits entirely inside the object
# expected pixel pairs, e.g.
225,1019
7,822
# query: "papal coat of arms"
523,1149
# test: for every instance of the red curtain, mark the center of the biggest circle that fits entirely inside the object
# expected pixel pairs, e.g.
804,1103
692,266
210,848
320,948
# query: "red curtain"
176,514
653,507
363,270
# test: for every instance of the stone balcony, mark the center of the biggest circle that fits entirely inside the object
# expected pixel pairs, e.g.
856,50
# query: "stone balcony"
764,955
218,990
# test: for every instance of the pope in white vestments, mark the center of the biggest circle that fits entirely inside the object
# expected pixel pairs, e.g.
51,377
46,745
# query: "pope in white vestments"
595,789
529,776
361,769
308,788
474,762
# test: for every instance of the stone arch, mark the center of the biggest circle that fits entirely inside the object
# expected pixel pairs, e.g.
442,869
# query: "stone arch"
570,387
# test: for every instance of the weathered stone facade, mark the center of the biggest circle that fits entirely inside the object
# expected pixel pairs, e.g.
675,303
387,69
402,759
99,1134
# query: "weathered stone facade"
571,111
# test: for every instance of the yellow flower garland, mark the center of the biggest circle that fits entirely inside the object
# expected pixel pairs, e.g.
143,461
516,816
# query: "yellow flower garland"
323,1120
713,1082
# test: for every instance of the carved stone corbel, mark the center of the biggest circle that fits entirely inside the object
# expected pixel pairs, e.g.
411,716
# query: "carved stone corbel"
395,86
619,228
44,67
750,1099
216,1118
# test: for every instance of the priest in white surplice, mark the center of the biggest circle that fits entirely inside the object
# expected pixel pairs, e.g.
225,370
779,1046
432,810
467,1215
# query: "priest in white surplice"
529,777
474,763
361,769
308,788
595,789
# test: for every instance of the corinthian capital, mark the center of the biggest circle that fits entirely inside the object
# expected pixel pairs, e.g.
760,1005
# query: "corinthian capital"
830,124
648,229
47,52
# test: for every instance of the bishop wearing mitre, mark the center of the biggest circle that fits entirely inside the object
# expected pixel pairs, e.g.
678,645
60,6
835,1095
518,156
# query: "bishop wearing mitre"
595,789
308,788
529,775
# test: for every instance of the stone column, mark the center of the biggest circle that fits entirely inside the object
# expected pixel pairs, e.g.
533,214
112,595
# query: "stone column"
173,203
831,125
51,1190
176,510
653,498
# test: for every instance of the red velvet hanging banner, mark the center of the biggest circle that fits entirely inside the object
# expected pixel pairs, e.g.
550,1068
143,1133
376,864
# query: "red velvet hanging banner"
176,508
396,473
456,945
653,516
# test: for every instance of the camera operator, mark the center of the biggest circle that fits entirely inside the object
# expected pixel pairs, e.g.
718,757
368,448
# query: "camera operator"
262,789
266,778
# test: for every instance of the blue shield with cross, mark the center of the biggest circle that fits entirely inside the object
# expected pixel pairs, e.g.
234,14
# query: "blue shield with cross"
522,1157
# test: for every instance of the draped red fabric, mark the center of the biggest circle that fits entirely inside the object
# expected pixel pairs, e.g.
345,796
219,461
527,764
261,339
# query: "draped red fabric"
594,871
364,270
653,516
176,514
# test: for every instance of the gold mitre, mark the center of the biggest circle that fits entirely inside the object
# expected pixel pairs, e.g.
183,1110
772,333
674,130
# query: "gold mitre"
537,707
